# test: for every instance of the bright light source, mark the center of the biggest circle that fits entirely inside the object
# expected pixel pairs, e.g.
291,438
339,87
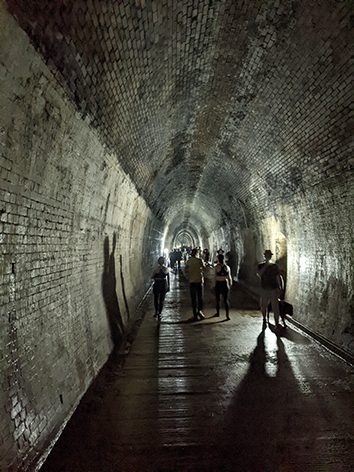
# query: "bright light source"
303,262
271,349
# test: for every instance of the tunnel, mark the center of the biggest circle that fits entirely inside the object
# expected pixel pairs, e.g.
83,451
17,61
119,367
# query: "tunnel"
130,127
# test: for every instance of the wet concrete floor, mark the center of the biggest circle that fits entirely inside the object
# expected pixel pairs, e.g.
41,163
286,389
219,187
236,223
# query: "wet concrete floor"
214,395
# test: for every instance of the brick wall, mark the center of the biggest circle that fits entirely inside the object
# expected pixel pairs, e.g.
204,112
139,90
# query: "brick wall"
64,288
317,228
235,118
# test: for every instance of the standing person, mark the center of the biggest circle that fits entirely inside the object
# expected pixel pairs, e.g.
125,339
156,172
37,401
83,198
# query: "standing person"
271,286
179,257
161,277
206,256
222,283
195,273
219,252
172,258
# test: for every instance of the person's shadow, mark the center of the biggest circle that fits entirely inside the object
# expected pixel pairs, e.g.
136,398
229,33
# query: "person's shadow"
110,295
267,414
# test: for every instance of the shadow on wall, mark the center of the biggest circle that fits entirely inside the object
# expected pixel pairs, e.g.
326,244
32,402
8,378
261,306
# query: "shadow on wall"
248,274
123,286
110,295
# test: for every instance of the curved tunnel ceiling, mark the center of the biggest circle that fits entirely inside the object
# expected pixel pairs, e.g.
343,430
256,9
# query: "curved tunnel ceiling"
193,222
184,238
211,107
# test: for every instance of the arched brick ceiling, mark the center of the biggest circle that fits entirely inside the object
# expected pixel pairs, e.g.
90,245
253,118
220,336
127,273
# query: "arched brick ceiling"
209,106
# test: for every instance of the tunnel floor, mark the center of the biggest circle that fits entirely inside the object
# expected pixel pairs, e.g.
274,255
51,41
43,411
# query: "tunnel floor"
214,395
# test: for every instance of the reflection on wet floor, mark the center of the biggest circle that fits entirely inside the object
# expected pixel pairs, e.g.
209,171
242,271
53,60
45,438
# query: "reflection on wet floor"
213,395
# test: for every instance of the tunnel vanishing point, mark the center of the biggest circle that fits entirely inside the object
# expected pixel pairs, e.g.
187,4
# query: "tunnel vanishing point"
130,127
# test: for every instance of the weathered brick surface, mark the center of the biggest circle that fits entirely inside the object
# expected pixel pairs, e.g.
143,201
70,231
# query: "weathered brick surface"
230,120
63,197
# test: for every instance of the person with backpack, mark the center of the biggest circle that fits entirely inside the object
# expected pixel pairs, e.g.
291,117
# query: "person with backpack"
222,283
271,287
161,278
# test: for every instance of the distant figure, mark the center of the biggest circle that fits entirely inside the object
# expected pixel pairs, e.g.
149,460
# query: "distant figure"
178,258
222,283
195,273
161,277
220,251
172,258
271,286
206,256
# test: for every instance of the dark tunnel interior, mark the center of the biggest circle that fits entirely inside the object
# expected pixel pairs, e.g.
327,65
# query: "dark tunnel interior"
132,127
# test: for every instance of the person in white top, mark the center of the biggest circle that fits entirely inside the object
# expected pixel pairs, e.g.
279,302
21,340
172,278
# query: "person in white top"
222,283
194,271
161,277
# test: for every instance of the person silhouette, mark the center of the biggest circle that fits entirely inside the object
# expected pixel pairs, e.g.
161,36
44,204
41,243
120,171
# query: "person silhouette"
161,278
195,273
222,282
271,286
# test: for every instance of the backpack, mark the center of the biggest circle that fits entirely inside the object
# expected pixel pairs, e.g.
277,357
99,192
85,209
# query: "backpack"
223,272
160,275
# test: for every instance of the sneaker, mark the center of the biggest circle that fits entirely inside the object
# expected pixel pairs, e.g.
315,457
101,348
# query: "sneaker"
201,315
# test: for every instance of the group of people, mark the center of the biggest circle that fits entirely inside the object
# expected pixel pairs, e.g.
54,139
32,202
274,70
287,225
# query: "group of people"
194,270
176,255
271,284
222,282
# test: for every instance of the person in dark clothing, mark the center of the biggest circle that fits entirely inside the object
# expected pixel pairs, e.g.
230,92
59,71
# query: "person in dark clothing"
222,283
161,277
206,256
179,257
172,258
271,286
195,273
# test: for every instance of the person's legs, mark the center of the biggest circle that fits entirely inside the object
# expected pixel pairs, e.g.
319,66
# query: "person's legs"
225,294
218,304
162,295
273,297
217,295
264,303
200,297
193,291
156,301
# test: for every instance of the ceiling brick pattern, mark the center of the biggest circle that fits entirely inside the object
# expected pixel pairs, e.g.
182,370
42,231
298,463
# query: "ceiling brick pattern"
208,104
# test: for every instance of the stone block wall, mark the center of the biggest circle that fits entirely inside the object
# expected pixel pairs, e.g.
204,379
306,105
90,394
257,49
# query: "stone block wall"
76,244
232,120
317,233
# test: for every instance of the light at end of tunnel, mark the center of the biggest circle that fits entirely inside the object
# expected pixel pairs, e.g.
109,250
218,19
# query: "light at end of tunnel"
303,263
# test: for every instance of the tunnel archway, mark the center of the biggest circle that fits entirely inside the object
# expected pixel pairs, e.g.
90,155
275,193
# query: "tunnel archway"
184,238
196,228
229,121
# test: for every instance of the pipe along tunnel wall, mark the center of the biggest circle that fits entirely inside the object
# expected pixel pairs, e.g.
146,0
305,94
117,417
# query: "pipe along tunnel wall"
80,233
